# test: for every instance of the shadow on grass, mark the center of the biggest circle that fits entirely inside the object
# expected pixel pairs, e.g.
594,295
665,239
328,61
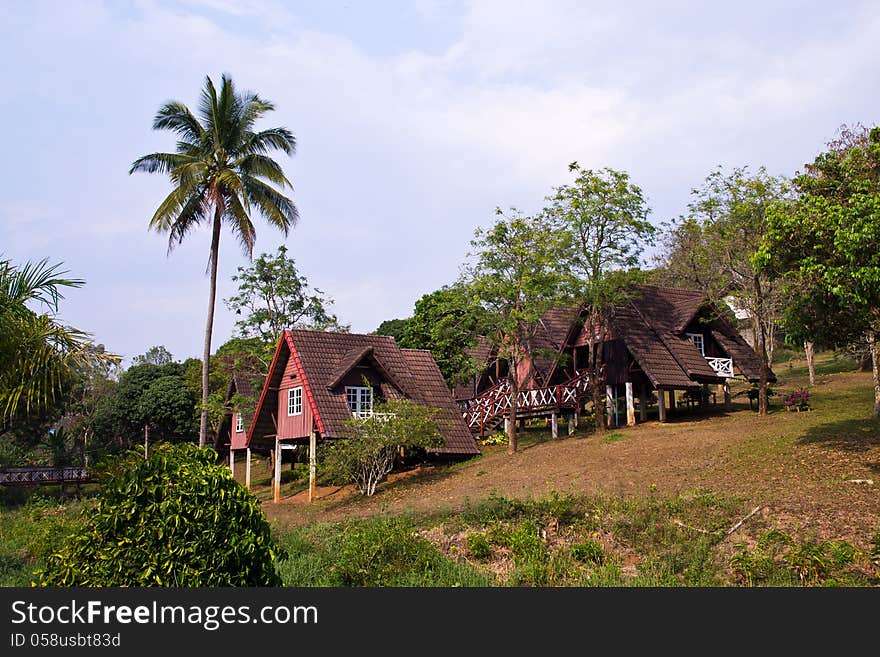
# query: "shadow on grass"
855,435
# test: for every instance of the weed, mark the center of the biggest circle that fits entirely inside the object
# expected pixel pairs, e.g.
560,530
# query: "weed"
590,552
479,545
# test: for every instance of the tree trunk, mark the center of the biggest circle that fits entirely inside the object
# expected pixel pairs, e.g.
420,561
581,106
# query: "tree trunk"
874,342
511,425
209,328
761,348
811,363
597,375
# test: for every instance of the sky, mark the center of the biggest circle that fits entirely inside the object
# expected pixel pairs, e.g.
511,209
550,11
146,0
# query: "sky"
414,121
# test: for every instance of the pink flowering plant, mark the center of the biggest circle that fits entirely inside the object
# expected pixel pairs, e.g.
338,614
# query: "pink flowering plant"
798,400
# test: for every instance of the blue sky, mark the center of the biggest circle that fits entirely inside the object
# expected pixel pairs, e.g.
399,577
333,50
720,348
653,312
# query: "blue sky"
414,120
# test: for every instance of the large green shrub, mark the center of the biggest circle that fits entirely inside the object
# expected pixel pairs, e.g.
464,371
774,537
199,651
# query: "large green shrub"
176,519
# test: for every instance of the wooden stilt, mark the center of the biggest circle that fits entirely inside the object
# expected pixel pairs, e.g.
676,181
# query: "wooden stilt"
726,391
232,461
276,482
672,401
630,405
609,406
572,423
643,403
313,449
661,404
247,472
554,425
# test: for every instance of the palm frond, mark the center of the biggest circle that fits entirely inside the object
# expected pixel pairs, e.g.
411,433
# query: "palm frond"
176,117
272,204
157,162
262,167
271,139
191,214
38,282
240,224
169,211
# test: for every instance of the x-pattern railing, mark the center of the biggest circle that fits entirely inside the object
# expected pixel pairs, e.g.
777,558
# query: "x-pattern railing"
722,366
496,400
32,476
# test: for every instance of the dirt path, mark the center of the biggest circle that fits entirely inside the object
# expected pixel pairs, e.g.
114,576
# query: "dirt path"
797,465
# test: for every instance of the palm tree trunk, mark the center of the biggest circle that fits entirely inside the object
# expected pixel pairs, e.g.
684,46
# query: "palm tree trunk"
206,360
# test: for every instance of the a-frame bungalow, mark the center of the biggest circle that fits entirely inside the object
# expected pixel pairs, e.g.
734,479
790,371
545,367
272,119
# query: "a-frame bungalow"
319,380
661,341
233,429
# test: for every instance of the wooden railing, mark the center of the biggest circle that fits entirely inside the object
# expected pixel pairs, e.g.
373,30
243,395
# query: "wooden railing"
722,366
496,401
40,475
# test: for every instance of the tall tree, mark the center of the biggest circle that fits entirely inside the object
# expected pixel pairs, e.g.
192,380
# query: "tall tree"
446,322
157,355
272,295
712,250
826,244
515,275
220,174
38,353
393,328
603,219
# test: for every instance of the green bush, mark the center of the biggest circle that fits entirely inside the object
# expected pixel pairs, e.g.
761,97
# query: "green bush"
589,552
479,545
176,519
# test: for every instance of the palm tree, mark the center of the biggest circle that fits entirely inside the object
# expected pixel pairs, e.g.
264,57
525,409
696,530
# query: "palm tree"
218,172
37,352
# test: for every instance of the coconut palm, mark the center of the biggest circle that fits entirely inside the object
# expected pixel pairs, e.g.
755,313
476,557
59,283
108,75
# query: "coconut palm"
221,174
37,352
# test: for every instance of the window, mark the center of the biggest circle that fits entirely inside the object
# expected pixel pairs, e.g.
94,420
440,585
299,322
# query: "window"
239,423
360,400
697,339
295,401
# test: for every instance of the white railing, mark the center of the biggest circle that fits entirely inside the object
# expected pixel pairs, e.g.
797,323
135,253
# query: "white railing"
496,400
363,415
722,366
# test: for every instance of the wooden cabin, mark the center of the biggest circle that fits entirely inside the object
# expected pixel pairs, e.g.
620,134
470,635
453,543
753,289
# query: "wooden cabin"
662,341
319,380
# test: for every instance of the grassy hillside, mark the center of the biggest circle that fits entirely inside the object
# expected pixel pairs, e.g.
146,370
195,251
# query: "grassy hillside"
652,505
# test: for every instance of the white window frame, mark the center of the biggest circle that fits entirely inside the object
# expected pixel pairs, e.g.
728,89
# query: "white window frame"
695,337
359,400
239,423
294,401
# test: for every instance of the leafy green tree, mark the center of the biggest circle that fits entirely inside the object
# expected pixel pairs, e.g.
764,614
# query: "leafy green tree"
204,530
273,295
38,353
712,250
446,322
219,175
825,245
392,327
167,406
170,407
515,275
368,454
602,219
157,355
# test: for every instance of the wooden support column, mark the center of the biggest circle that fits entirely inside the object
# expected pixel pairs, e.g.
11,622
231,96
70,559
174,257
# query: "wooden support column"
661,404
554,424
726,391
609,405
247,472
276,480
506,426
643,403
630,405
313,449
522,424
146,441
232,461
704,396
672,401
572,423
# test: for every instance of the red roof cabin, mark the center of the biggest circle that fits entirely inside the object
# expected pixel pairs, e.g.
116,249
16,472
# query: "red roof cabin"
319,380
